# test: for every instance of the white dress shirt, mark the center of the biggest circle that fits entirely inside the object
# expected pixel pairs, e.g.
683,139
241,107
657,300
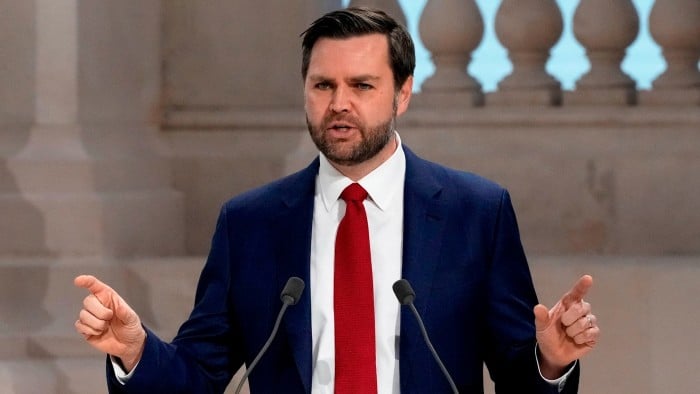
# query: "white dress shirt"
384,207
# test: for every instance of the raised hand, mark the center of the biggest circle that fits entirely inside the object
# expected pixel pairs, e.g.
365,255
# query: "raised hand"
566,332
108,323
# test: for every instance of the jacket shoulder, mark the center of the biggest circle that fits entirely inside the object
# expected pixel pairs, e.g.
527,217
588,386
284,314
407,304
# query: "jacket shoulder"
287,190
454,182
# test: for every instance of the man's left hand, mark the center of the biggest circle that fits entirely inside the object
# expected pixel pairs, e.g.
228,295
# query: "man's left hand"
566,332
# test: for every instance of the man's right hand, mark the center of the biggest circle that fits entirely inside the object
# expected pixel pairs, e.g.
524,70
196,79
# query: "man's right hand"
109,324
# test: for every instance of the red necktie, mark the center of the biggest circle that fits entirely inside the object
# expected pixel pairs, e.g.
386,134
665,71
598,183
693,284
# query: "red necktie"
355,360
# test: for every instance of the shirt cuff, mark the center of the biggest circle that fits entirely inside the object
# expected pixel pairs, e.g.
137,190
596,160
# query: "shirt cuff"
559,382
119,373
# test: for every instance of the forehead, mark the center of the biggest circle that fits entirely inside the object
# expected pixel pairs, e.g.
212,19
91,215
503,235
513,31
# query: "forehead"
366,52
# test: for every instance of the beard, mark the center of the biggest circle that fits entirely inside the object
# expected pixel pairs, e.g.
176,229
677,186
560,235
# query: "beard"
373,139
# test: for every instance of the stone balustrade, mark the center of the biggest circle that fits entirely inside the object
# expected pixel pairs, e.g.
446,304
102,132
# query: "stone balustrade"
528,29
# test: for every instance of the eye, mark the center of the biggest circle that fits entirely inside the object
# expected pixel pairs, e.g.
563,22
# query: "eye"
323,85
364,86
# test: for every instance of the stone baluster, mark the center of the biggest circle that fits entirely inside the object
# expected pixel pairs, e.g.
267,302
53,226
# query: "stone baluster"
391,7
451,30
528,29
675,26
605,28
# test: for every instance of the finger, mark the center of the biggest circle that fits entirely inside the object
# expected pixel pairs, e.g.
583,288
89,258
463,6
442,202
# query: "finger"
541,317
85,330
581,325
93,305
109,298
91,284
588,337
577,292
575,312
89,320
102,291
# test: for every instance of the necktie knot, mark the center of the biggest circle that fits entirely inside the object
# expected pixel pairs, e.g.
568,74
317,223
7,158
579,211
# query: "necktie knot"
354,192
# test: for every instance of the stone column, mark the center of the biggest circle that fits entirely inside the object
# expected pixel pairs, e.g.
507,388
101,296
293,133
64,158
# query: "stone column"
675,26
528,29
605,28
451,30
89,166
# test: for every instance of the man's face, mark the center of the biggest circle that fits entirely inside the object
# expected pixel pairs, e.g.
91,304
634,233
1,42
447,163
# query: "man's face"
350,100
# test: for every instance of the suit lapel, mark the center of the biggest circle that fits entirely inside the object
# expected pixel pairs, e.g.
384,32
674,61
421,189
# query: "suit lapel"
424,223
293,254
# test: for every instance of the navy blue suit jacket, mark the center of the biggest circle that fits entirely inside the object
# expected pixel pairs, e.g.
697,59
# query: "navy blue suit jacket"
461,252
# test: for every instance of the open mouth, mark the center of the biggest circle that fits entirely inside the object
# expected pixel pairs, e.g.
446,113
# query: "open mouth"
341,126
341,129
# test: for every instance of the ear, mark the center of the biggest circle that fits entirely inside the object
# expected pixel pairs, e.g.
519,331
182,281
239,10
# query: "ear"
404,96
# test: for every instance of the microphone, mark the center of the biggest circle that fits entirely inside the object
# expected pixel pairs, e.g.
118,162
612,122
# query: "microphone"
405,294
291,293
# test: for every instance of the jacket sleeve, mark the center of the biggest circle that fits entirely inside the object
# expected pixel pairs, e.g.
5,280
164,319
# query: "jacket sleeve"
206,351
510,329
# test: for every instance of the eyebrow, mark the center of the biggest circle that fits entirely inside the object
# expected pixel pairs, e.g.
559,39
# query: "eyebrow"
357,78
364,77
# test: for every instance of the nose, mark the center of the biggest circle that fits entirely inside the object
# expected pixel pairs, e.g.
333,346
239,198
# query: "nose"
340,101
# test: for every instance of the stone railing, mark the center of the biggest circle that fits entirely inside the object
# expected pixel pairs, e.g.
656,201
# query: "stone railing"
452,29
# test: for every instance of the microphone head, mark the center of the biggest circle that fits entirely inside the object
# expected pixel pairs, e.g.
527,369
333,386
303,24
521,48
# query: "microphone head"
292,291
404,292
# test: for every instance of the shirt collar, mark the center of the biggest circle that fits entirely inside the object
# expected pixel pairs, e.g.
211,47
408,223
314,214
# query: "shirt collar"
380,184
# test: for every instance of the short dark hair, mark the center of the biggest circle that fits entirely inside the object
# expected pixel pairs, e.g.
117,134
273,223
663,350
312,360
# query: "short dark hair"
359,21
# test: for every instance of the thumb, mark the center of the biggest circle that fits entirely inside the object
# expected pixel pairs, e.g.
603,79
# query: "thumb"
541,317
125,313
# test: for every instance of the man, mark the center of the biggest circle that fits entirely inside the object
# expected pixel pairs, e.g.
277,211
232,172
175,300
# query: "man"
452,234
